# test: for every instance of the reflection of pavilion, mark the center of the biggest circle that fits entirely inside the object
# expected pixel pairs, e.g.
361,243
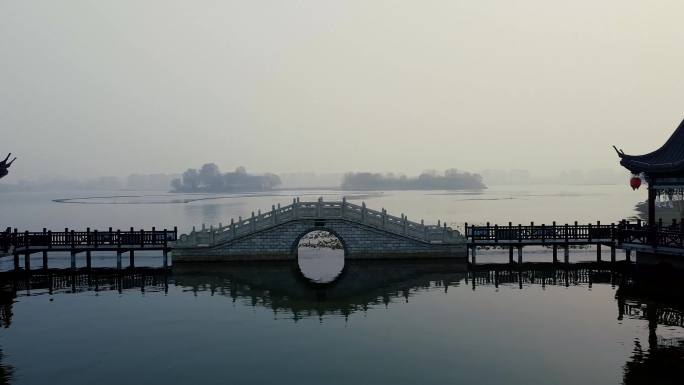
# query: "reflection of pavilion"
658,299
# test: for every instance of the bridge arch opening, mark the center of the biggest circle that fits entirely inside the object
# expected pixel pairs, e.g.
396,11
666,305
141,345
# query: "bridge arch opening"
320,255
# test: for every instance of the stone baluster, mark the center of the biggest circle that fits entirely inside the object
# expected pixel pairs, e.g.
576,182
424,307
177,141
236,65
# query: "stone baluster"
274,214
344,206
319,205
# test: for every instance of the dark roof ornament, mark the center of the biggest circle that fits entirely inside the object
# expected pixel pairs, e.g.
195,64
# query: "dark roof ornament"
667,160
4,165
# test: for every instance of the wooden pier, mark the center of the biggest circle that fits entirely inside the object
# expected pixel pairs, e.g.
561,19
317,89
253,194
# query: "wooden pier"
554,236
638,236
13,242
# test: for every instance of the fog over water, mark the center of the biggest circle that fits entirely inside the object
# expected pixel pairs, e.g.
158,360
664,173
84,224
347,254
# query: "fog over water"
112,88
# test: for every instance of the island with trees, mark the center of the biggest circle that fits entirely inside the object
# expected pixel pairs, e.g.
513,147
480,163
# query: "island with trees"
210,179
452,179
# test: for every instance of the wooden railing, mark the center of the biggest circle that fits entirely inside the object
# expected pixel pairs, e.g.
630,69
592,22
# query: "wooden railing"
319,210
659,235
72,240
568,233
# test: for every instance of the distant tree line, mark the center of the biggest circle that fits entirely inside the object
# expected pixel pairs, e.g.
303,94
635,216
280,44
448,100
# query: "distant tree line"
210,179
452,179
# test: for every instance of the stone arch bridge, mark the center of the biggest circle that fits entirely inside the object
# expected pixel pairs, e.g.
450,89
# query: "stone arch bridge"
364,234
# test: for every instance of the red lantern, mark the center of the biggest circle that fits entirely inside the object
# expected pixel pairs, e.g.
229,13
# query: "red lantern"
635,182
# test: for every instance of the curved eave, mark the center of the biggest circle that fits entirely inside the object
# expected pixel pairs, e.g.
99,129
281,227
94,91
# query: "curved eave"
667,159
637,167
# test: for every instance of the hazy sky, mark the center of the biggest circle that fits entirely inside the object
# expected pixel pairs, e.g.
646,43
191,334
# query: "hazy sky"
112,87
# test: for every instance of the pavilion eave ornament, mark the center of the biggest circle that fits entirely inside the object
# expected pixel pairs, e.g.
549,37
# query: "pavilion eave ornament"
5,165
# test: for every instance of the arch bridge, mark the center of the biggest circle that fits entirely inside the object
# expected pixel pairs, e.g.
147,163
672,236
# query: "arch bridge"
364,234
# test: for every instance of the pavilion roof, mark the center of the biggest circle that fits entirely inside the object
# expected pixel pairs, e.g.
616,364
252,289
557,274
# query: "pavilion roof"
667,159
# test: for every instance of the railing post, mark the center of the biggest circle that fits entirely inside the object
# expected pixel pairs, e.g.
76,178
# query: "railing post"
344,206
49,239
531,232
465,231
384,217
363,212
405,224
253,222
496,233
73,240
165,239
519,233
319,205
543,233
589,232
274,214
295,207
444,232
233,230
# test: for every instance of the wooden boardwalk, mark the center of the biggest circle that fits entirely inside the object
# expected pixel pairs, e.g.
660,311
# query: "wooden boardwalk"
554,236
74,242
629,236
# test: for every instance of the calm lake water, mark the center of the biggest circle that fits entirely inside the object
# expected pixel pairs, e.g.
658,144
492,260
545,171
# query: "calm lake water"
378,323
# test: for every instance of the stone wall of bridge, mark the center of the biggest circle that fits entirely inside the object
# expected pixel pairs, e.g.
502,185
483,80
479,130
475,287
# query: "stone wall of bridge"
280,243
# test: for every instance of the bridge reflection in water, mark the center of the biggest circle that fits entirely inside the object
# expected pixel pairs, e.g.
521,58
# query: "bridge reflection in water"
281,287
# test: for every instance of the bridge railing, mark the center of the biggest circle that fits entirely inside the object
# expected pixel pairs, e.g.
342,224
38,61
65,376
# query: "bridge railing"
319,210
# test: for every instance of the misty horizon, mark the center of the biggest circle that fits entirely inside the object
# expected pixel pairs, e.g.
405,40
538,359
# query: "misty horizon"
94,88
